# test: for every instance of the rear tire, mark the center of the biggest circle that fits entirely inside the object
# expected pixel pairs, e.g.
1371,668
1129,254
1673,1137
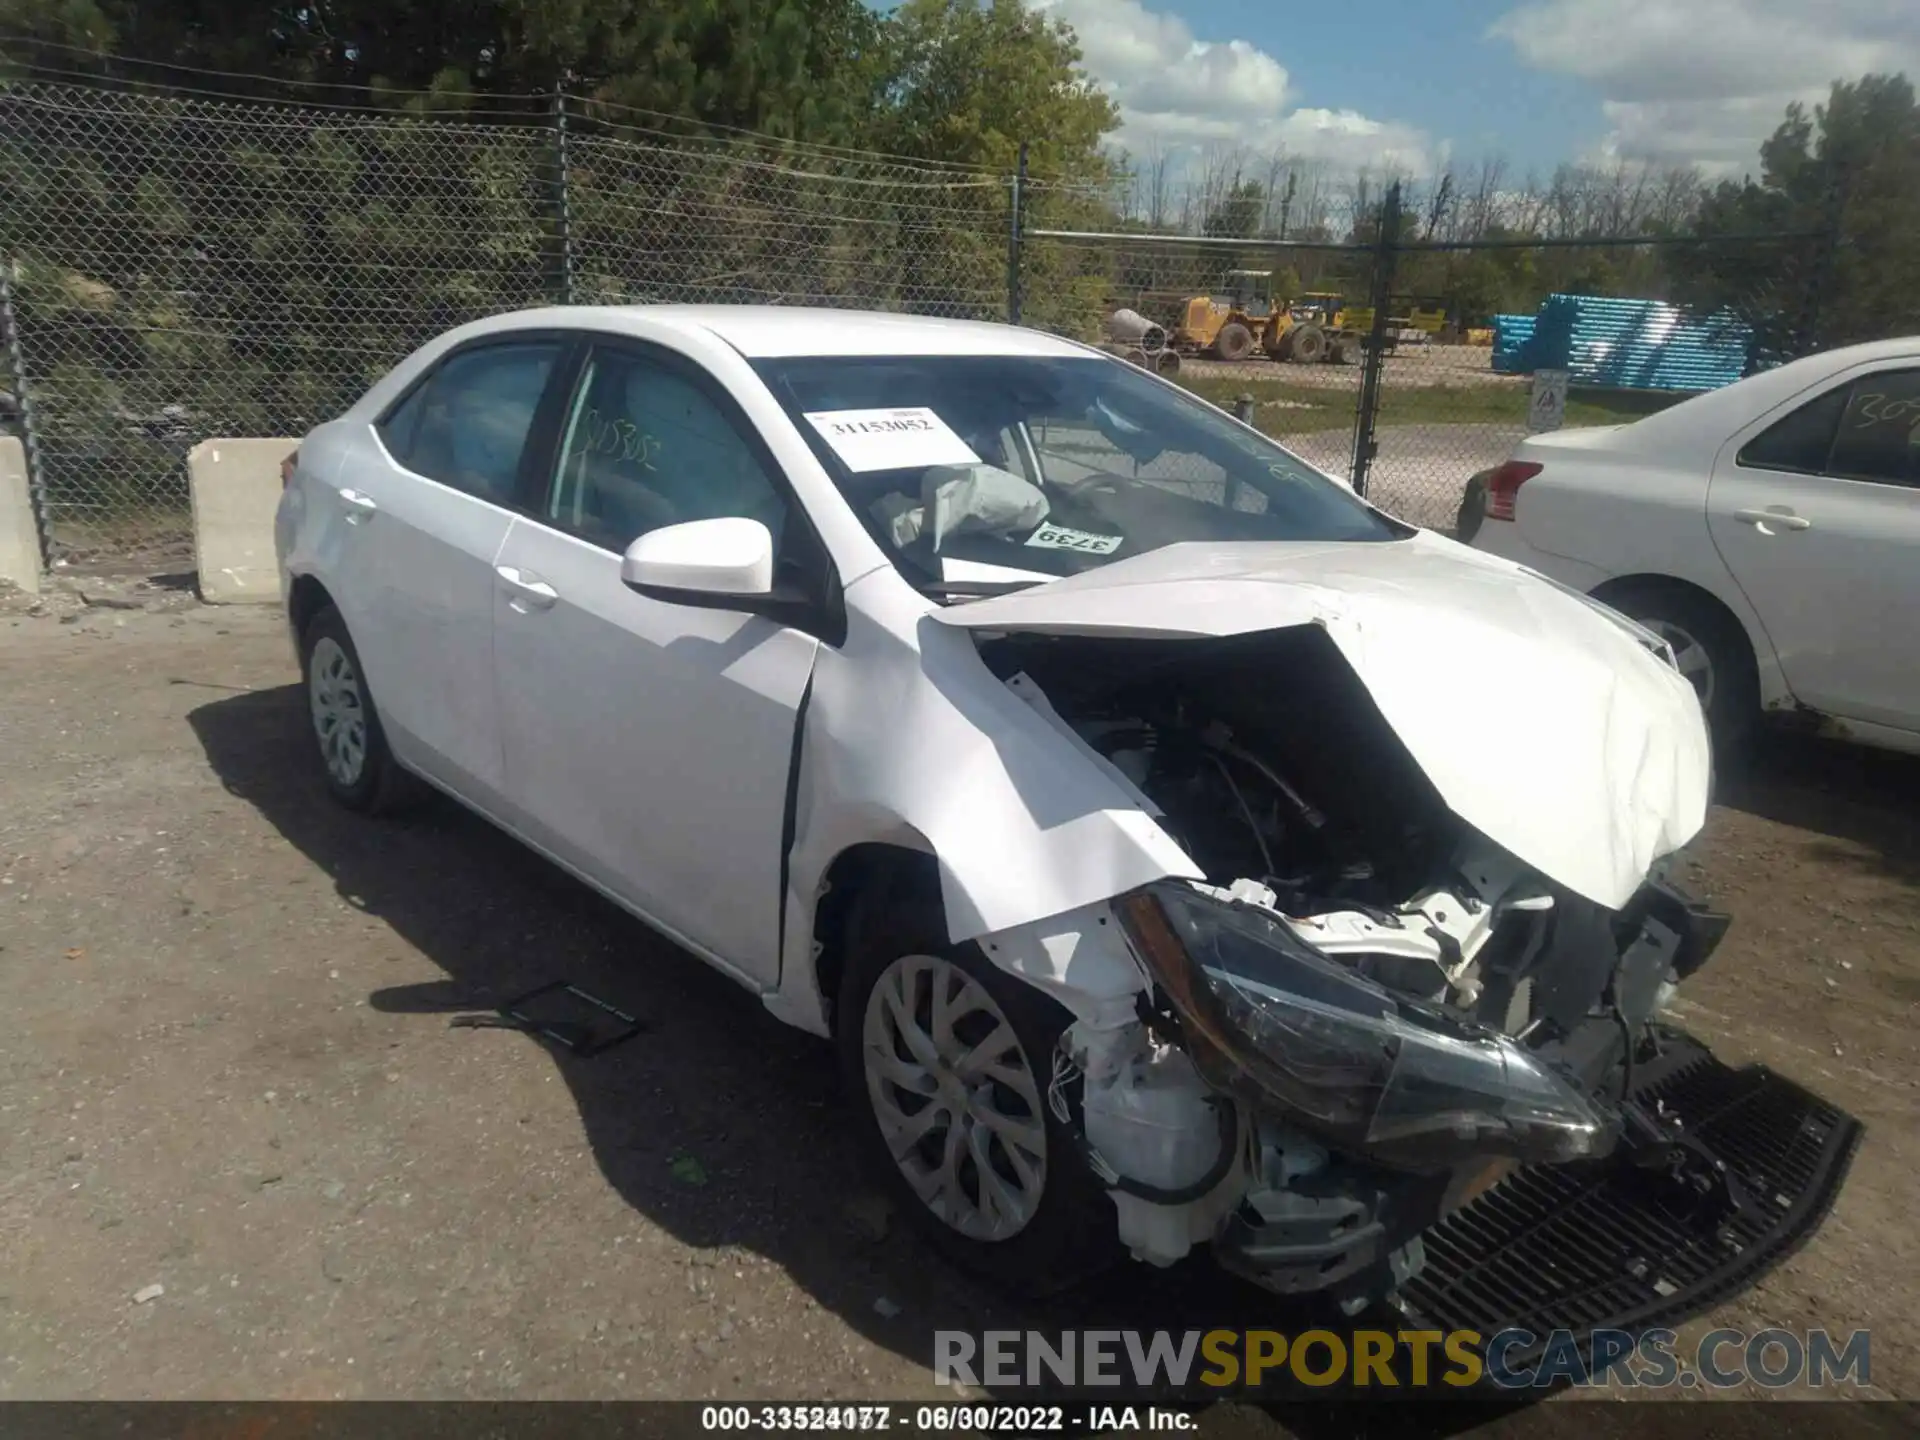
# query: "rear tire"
1712,652
1234,342
355,759
1008,1198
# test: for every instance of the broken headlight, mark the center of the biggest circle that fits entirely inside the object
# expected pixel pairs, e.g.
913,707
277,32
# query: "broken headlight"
1406,1084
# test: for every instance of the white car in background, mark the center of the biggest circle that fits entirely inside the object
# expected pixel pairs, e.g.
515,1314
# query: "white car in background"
1769,531
1179,851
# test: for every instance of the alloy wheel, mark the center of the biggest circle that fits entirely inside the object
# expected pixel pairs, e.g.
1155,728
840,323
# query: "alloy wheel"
1690,656
955,1096
339,711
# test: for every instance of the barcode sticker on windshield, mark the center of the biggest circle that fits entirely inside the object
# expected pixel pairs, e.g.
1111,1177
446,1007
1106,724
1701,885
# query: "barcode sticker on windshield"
867,440
1059,537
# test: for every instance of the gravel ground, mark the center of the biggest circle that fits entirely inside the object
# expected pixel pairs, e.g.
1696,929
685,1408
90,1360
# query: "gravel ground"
231,1085
1412,366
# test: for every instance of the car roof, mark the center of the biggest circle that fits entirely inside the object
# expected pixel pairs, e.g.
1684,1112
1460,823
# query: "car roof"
1703,422
776,331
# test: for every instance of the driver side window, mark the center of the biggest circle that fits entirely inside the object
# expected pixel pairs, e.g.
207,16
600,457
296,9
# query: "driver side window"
645,447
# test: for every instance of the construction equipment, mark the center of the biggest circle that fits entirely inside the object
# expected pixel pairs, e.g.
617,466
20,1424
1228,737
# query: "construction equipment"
1323,307
1315,329
1408,318
1229,326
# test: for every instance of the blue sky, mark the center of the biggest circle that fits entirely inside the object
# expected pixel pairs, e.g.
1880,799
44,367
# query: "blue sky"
1430,64
1414,82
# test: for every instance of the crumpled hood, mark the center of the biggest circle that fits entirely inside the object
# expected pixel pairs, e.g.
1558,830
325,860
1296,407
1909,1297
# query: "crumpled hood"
1543,722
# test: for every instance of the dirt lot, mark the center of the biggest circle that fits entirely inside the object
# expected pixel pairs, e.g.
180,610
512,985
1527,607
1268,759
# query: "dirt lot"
1411,366
230,1074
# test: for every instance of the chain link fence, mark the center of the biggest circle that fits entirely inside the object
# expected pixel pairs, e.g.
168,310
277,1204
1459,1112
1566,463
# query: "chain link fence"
1421,370
1482,331
182,266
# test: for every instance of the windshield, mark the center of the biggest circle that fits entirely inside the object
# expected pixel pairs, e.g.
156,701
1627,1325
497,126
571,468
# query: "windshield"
991,467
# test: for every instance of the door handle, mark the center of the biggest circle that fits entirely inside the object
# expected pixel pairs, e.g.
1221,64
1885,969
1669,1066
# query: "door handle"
358,507
1782,517
525,590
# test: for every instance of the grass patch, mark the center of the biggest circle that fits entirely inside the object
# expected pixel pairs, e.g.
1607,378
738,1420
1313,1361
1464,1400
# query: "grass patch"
1282,408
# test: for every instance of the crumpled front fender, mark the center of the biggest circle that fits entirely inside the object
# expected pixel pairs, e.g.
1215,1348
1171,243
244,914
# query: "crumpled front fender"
915,743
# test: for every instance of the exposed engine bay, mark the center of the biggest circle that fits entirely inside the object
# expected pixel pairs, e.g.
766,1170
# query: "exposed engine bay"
1265,758
1369,1012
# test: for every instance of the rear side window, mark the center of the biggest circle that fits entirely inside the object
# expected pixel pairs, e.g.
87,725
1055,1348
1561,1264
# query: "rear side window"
1879,436
397,430
468,424
1801,441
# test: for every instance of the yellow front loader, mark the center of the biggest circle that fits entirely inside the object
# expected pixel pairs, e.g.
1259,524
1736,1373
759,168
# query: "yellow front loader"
1229,326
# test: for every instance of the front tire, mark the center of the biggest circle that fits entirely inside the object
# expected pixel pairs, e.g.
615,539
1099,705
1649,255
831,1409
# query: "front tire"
1309,344
355,759
947,1061
1234,342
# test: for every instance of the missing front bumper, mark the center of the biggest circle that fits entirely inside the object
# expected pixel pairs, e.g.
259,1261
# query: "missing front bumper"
1602,1245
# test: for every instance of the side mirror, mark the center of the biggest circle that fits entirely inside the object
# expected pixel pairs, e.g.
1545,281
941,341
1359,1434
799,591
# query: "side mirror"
728,557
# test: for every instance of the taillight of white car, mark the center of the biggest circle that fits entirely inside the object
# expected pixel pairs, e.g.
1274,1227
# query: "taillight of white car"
1503,486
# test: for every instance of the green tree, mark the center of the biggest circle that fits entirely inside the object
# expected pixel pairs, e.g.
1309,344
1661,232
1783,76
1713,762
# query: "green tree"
968,82
1849,174
790,68
1239,212
956,81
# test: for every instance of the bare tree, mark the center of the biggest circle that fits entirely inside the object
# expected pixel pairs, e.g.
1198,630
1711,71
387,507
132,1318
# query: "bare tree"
1440,206
1483,202
1359,198
1309,215
1677,194
1276,192
1156,166
1222,169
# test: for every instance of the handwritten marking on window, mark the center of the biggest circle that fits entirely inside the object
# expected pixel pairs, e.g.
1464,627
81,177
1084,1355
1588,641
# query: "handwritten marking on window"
619,439
1873,409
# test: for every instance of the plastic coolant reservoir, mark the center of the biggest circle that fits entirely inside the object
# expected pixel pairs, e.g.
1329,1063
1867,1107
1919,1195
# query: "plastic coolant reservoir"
1151,1122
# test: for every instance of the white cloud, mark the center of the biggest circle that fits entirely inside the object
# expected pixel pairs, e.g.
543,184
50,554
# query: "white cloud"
1176,91
1708,80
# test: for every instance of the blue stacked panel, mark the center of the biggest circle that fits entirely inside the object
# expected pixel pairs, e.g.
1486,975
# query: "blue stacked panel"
1510,336
1632,345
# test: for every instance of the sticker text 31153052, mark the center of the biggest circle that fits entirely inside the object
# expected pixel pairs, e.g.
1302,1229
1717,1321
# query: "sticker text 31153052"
905,439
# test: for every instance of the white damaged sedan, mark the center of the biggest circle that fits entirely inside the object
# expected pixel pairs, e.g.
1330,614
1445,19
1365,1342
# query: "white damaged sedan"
1179,851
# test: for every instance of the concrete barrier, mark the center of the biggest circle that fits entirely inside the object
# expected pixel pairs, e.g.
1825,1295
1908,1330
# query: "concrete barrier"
19,540
235,486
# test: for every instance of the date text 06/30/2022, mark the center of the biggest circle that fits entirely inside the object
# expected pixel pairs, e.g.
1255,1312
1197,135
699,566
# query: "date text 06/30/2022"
981,1419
